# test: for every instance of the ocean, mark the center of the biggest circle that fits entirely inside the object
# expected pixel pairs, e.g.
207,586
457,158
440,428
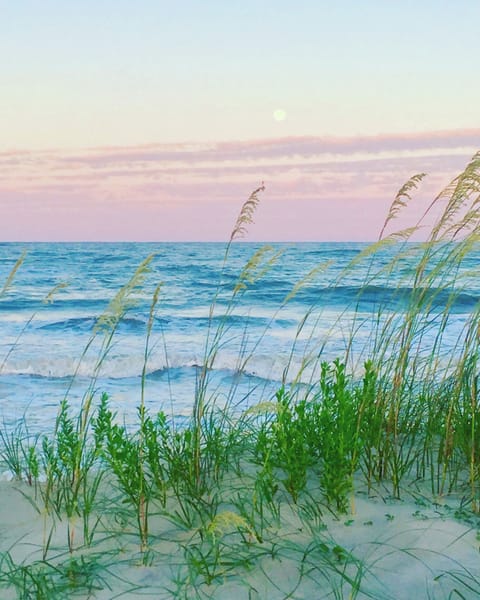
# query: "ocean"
264,340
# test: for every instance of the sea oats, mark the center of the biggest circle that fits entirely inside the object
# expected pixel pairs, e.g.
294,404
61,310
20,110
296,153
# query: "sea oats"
11,275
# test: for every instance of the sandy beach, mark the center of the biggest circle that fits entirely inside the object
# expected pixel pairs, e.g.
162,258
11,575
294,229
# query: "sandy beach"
386,549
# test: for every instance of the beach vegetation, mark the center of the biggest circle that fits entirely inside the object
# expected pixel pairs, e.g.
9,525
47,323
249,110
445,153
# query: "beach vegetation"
236,494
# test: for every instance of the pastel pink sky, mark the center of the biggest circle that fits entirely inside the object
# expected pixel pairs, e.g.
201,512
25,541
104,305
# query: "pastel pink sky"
316,188
150,120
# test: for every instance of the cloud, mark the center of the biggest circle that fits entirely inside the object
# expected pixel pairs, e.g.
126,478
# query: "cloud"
240,151
206,183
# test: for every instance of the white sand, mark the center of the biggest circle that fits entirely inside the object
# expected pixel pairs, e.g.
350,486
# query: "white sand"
405,550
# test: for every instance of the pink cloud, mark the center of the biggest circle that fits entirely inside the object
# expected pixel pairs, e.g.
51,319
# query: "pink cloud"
302,147
317,188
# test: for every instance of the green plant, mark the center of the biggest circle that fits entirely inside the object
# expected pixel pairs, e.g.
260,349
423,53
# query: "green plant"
338,425
46,580
124,454
18,450
282,443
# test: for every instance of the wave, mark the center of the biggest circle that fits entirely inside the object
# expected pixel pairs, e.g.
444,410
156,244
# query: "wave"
332,251
180,323
263,366
363,297
108,257
405,296
73,323
73,302
240,321
270,293
85,324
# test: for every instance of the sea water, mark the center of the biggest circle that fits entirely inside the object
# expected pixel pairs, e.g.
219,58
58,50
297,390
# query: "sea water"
51,350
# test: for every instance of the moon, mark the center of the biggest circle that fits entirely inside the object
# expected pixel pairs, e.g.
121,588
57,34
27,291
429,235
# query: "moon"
279,114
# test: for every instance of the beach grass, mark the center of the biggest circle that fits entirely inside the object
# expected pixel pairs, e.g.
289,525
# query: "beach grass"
359,478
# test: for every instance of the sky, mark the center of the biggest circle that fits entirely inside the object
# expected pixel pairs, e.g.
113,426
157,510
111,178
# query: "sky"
153,120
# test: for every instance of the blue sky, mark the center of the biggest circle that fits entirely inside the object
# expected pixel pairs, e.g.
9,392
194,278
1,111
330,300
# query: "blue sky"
107,72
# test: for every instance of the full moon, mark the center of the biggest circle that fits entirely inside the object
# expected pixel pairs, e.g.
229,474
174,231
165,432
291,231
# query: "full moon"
279,114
